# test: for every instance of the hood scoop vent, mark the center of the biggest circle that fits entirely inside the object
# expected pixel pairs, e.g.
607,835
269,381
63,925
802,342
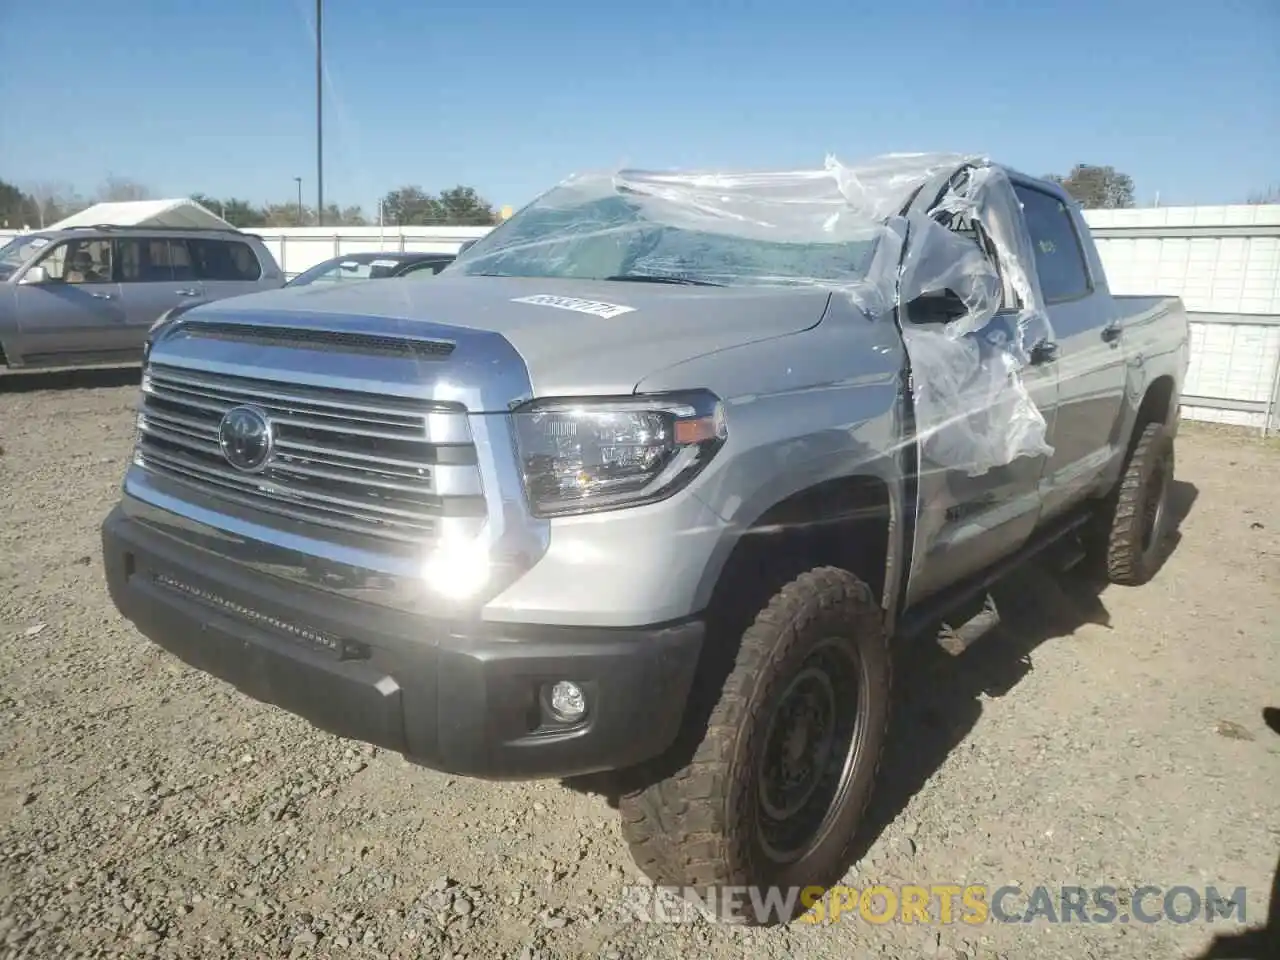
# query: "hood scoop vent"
339,341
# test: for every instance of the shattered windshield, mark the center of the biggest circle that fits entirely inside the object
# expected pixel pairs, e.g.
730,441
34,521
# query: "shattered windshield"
618,237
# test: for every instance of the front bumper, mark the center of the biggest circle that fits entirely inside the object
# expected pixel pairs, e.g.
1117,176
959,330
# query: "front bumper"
462,698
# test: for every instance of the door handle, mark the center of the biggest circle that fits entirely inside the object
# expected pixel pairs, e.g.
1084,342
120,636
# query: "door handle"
1045,351
187,292
101,296
1111,332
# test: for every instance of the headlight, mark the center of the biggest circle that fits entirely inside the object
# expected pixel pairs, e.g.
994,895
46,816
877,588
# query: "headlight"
588,455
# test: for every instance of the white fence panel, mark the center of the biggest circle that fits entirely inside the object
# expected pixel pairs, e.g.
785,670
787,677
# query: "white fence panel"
1224,262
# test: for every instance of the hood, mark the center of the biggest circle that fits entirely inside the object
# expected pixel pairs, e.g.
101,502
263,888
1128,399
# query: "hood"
577,337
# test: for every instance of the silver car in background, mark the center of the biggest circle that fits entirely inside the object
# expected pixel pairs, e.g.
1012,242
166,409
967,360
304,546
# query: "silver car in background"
87,296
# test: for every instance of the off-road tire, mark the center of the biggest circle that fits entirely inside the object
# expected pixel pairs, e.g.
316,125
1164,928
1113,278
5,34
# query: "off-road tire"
1126,513
695,828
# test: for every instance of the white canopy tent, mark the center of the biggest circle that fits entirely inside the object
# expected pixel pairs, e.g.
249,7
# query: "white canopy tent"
146,213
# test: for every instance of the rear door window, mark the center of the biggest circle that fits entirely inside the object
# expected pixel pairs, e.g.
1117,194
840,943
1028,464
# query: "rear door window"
155,260
224,260
1059,255
144,260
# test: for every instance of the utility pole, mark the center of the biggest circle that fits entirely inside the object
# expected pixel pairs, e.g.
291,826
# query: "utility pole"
298,180
319,118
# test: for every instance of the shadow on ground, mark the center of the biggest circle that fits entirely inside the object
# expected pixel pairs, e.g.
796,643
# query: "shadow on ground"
939,697
65,379
1256,943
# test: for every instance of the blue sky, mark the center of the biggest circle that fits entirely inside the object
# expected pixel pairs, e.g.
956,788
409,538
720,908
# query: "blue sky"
511,97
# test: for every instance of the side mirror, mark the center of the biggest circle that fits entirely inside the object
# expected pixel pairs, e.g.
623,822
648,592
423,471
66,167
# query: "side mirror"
937,306
466,245
36,274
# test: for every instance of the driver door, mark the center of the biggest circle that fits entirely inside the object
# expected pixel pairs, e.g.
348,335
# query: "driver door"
968,523
74,316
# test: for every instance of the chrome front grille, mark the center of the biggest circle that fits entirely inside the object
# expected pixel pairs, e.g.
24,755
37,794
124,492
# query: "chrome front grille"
384,467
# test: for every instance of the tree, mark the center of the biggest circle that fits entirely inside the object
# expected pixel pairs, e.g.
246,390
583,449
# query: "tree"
121,190
1097,188
238,213
1269,195
17,209
286,215
53,201
243,214
464,207
343,216
411,206
354,216
458,206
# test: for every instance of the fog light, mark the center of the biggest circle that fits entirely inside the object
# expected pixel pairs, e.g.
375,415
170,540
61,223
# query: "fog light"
568,702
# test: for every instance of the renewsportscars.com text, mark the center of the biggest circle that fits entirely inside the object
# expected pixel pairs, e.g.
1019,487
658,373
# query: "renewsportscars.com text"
971,904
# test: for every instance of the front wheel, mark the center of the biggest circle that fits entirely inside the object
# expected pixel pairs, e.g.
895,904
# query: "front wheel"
778,784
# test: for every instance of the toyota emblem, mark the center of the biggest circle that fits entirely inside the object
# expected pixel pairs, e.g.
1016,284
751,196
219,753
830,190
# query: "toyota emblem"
246,439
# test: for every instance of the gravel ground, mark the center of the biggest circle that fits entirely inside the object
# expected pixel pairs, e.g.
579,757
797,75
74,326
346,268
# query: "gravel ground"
1111,737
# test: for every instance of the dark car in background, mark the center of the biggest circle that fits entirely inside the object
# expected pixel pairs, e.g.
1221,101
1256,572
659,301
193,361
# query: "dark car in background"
372,266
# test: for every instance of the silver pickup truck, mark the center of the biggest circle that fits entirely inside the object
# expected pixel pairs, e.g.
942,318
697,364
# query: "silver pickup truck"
651,480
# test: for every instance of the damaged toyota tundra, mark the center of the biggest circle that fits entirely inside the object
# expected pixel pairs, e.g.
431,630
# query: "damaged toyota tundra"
652,481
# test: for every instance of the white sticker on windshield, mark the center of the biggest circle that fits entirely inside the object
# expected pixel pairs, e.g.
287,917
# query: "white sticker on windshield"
594,307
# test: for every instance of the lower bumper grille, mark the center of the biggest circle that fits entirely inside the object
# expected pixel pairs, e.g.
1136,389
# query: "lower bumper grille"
341,648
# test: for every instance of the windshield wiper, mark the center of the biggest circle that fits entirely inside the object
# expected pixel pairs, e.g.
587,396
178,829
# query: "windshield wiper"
655,278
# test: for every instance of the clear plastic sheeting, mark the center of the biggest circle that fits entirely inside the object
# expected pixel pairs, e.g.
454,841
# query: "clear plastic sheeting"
973,409
864,231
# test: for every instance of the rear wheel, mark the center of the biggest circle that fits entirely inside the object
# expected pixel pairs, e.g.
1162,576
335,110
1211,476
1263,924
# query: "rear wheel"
1136,516
780,780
